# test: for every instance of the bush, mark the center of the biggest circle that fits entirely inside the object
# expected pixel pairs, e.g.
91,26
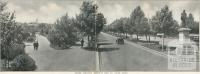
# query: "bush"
31,38
62,40
23,63
13,51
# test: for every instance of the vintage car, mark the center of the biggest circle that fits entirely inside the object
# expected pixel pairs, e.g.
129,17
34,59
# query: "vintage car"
120,40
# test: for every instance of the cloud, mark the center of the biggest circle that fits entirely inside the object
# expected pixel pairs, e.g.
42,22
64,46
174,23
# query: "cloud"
50,10
148,10
117,12
44,13
50,7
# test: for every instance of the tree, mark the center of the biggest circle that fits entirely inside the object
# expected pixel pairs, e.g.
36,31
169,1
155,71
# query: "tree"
11,36
118,26
44,28
190,23
145,28
64,33
100,22
7,31
126,27
163,22
90,21
154,23
139,22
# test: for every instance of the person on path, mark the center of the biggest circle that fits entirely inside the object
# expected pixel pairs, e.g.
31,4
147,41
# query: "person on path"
36,45
82,43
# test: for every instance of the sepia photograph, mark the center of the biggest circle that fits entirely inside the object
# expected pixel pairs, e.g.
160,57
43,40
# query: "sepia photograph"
99,35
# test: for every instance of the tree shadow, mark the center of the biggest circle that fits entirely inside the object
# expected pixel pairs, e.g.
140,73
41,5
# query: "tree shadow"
60,48
107,49
102,40
102,49
77,44
89,49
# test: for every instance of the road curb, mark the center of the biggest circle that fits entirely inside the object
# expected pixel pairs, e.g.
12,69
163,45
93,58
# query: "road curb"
148,49
145,48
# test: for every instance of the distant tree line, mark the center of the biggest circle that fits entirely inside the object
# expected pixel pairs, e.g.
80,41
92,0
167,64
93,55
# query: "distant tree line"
163,22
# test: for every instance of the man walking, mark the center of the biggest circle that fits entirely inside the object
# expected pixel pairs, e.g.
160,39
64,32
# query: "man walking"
82,43
36,45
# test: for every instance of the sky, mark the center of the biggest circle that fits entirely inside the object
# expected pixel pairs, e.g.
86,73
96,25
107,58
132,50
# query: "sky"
47,11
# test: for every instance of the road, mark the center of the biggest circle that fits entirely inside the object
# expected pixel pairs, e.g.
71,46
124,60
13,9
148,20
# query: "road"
49,59
129,57
112,57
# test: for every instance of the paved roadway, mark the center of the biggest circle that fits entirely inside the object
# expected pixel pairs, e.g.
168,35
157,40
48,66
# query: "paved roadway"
49,59
113,57
129,57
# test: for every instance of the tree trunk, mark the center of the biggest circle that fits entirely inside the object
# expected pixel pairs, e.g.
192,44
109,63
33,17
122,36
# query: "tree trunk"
88,38
137,37
131,36
146,37
149,38
7,64
91,41
88,41
126,35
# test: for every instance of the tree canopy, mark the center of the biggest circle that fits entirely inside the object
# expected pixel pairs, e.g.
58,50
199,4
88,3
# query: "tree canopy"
188,22
89,20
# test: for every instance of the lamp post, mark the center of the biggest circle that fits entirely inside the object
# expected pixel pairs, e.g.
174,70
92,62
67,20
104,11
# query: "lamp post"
96,47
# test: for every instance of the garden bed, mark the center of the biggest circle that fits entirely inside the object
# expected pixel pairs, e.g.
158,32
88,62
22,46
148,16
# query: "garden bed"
62,47
154,45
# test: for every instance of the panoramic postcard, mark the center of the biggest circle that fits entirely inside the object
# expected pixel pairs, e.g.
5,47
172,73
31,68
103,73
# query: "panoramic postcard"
99,35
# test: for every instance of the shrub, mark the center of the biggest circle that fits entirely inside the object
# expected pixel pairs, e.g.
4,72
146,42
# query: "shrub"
61,39
23,63
31,38
13,51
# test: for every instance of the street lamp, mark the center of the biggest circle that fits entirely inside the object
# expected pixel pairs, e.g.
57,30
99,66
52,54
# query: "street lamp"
96,44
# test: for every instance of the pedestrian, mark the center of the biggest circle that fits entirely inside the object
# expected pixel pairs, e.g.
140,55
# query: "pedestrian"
36,45
82,42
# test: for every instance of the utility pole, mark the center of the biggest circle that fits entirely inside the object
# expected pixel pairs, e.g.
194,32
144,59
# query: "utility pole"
163,42
96,49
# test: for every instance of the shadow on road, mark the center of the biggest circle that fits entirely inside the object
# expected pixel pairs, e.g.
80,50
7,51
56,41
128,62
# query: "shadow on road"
77,44
102,47
102,40
107,49
60,48
89,49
